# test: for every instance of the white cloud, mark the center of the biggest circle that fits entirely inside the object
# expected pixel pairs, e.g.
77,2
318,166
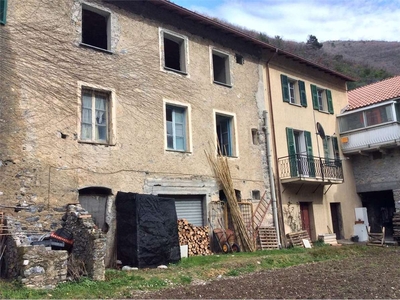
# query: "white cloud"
296,19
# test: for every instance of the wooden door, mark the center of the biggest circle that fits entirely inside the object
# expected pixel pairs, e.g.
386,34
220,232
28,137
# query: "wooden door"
305,217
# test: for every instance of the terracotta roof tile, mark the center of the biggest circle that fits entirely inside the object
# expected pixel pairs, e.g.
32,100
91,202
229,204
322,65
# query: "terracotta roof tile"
374,93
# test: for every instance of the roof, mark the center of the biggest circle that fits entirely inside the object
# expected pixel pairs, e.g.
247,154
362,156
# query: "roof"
188,14
374,93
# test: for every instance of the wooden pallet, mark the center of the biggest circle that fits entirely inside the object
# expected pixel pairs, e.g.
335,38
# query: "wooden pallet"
296,238
267,237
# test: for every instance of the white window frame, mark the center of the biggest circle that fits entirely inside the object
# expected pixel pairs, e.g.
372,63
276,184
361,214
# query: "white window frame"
322,100
111,122
294,96
183,42
188,129
227,67
234,132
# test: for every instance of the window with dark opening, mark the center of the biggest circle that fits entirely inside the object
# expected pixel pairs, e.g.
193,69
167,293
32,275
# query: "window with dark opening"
221,68
95,28
256,195
239,59
254,136
174,53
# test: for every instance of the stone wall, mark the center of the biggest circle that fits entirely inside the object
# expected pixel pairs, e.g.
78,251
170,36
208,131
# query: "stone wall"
89,242
377,171
42,267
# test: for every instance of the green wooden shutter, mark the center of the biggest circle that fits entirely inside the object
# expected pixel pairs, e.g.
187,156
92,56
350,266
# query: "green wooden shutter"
3,11
310,157
314,94
285,88
302,90
397,108
329,100
326,149
291,152
336,152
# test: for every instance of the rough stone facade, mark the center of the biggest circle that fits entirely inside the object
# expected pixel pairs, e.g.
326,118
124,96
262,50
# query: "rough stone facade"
45,164
377,172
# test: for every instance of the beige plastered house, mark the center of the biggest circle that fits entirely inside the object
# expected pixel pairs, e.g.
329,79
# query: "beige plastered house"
314,180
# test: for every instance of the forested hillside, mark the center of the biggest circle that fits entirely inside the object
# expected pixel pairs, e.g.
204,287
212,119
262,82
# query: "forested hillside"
365,61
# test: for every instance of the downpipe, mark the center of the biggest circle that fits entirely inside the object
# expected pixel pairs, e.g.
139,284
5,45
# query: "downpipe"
271,176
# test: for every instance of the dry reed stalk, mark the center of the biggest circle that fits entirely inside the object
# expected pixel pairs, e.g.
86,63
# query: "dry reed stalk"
220,167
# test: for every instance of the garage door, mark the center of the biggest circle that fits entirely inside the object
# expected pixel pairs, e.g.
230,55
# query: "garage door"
189,208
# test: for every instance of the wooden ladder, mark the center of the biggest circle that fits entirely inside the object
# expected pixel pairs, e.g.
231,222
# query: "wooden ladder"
261,211
268,238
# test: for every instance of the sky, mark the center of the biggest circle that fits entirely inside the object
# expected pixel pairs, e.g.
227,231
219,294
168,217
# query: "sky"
295,20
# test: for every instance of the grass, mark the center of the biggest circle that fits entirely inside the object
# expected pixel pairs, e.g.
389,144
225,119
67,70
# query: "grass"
121,284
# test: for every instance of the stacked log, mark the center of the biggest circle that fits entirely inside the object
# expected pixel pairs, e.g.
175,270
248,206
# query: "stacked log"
396,226
195,237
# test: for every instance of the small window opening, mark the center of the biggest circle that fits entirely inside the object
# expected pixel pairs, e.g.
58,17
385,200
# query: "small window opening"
221,68
254,136
238,195
239,59
94,29
174,53
256,195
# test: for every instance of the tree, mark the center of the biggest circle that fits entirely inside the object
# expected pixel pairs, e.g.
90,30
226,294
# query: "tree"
313,42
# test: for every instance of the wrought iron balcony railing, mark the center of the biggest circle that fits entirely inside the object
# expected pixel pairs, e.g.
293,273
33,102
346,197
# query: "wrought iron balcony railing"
311,167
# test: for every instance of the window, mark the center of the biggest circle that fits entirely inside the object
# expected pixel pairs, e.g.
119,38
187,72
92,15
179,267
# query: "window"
95,116
3,11
176,127
225,134
254,136
239,59
322,99
300,153
221,68
369,117
96,27
293,91
255,195
379,115
331,148
174,51
351,121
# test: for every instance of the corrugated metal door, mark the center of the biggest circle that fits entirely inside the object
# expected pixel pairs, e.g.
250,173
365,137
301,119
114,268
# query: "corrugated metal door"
189,208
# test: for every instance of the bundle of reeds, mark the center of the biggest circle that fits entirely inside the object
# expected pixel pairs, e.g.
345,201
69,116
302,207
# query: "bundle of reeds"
220,167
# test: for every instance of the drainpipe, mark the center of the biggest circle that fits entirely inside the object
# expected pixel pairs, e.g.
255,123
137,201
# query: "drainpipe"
271,176
278,209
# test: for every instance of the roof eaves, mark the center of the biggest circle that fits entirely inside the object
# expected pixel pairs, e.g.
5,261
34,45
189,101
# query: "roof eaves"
218,25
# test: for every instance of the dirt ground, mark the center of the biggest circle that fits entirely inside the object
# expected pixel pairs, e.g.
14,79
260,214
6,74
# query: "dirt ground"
367,277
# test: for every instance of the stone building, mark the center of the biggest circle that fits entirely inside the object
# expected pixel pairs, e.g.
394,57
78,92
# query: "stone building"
106,96
370,134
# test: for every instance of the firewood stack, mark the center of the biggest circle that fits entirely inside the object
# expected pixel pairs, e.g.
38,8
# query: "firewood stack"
396,226
196,237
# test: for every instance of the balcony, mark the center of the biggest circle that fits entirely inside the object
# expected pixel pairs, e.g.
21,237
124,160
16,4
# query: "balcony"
371,138
300,168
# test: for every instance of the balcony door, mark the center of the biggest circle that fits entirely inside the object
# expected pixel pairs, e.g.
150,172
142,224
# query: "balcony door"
300,152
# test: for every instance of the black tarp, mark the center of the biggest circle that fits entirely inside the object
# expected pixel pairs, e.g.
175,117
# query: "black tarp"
147,231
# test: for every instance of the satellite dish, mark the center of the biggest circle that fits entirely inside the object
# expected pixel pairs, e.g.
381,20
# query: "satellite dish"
320,131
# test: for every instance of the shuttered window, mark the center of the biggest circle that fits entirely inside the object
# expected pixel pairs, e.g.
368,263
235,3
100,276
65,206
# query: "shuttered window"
3,11
293,91
322,99
291,152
